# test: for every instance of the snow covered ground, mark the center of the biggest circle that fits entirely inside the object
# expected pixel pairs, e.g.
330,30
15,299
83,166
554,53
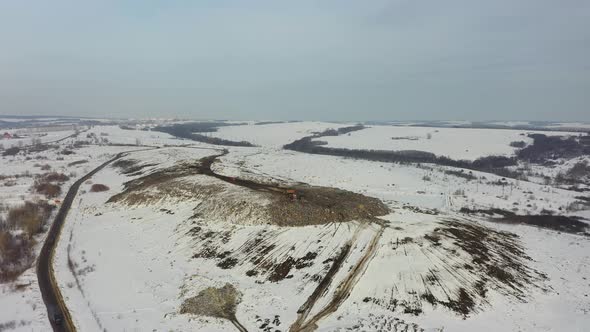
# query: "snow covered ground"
132,263
22,307
140,279
273,135
159,277
427,187
456,143
28,138
403,186
116,135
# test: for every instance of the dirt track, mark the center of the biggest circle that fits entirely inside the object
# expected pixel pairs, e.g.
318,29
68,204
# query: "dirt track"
303,324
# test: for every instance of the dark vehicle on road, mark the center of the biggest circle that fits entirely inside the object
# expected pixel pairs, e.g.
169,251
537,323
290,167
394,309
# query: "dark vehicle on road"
55,315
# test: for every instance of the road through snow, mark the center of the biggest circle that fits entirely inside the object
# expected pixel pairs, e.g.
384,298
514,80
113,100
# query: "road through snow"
45,274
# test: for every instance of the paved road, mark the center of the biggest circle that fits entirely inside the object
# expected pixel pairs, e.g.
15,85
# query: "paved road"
51,294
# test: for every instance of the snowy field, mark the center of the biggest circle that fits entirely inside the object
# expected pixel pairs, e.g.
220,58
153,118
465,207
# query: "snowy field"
162,278
165,231
273,135
456,143
403,186
116,135
28,138
399,184
20,300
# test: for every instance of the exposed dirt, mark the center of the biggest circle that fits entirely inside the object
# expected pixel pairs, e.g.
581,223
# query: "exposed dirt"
312,205
215,302
255,250
321,205
308,206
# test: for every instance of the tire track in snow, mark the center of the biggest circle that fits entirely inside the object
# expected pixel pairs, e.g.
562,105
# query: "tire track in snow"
342,292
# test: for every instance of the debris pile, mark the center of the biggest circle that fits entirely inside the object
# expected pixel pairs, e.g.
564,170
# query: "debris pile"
213,302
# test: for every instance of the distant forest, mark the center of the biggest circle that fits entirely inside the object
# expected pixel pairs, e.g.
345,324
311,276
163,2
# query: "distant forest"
543,149
192,131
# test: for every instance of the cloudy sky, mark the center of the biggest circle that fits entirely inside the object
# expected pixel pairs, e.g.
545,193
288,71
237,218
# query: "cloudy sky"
278,59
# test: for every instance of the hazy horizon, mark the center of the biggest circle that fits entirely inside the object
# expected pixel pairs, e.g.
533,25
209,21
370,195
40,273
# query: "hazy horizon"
312,60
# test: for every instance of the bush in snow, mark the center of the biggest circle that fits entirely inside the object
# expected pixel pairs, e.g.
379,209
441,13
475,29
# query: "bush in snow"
16,255
97,187
50,190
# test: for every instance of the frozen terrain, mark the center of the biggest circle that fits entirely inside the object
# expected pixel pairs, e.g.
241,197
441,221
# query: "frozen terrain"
456,143
273,135
193,236
20,300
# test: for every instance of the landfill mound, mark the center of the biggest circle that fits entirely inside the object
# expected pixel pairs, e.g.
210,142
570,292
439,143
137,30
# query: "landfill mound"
241,201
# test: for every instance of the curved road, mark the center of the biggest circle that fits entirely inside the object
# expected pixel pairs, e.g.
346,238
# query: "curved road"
49,289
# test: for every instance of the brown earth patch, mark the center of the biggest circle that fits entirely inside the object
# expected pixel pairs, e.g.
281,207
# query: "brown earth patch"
312,205
322,205
215,302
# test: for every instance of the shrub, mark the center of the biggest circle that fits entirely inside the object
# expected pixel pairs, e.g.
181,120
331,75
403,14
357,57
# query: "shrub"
459,192
577,174
45,167
78,162
55,177
13,151
97,187
10,183
580,169
462,174
50,190
518,144
16,255
30,217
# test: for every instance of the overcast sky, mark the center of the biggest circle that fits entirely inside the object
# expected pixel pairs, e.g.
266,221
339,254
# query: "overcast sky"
317,60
